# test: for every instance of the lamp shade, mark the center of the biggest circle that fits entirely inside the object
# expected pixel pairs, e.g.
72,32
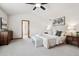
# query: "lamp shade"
49,27
71,30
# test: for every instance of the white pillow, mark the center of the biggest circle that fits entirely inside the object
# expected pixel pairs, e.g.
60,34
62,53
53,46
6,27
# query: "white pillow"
54,32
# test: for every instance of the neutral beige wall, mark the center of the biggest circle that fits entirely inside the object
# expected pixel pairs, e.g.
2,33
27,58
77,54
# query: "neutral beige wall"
37,24
39,19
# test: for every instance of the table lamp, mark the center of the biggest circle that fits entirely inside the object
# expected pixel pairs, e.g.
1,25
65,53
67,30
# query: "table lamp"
48,29
71,30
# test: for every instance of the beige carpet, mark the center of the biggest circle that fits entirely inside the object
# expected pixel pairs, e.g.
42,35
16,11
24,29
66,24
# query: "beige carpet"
23,47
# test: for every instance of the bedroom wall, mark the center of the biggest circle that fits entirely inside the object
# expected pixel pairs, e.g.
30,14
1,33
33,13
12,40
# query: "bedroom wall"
37,23
39,19
3,15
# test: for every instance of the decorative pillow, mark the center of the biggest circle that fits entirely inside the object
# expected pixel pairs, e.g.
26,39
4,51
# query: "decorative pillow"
63,33
58,33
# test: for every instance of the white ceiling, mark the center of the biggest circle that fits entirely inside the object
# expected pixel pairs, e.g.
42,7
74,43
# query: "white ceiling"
22,8
16,8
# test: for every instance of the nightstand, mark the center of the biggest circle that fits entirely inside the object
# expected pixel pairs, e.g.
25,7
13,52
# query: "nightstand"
74,40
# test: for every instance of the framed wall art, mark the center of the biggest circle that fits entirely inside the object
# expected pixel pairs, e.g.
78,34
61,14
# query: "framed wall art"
59,21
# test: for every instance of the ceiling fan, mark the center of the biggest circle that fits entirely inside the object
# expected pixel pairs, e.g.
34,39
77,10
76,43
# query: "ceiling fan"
40,5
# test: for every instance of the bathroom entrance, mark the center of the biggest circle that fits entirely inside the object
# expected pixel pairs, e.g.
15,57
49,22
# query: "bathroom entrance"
25,29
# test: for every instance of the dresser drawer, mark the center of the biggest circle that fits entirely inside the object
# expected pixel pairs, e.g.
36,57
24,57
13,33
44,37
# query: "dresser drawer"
72,40
5,37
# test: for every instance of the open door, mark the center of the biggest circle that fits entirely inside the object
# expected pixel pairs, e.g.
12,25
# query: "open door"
25,29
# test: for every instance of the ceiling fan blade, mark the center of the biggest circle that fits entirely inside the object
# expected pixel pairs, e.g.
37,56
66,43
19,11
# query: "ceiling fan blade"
34,8
31,3
44,3
42,7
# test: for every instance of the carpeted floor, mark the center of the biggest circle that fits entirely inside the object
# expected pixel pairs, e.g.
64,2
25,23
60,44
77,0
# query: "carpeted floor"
23,47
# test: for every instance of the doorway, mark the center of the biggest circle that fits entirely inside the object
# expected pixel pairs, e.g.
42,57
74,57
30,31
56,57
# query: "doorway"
25,29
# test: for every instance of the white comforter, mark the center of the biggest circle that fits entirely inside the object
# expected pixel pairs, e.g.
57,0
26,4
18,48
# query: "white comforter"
50,40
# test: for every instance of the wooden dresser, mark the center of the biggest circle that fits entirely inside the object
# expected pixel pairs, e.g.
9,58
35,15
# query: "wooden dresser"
5,37
74,40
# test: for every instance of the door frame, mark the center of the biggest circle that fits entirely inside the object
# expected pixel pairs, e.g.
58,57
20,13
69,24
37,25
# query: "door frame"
28,27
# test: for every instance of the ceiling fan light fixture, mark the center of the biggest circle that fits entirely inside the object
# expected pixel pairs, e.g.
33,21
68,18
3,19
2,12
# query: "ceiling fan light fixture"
38,4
